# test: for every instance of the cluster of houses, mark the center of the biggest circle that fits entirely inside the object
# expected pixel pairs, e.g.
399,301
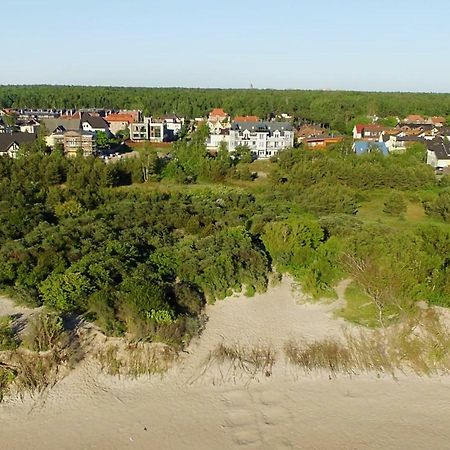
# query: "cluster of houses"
316,136
79,130
73,130
414,129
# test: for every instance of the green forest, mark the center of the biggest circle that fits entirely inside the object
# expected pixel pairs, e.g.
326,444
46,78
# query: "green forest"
141,245
334,108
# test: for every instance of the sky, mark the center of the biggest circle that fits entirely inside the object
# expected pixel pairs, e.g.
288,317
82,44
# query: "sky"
376,45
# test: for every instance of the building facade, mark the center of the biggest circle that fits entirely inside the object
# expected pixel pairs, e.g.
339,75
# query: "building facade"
74,142
265,139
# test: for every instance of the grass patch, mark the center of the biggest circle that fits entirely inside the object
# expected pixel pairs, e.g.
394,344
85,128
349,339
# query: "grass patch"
371,208
420,344
136,359
40,361
327,354
235,360
359,308
8,340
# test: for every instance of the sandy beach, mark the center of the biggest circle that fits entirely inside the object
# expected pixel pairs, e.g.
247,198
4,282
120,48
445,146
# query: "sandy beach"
190,408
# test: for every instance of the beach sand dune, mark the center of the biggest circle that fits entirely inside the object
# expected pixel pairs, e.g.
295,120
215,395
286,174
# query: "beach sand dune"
192,409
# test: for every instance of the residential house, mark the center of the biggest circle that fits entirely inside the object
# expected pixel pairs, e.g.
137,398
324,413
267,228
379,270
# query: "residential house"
445,132
308,131
218,115
29,126
399,142
285,116
438,153
323,141
414,119
367,131
218,120
151,129
174,124
4,128
438,121
157,129
265,139
94,124
214,141
55,128
75,141
120,121
139,131
37,114
10,143
360,147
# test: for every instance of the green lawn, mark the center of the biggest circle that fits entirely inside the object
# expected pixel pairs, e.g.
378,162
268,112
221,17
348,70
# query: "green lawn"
361,310
372,205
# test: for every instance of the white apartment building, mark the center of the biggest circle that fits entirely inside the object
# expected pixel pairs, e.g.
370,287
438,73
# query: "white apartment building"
265,139
156,130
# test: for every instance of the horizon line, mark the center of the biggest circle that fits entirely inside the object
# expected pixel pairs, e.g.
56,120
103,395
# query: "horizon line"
223,88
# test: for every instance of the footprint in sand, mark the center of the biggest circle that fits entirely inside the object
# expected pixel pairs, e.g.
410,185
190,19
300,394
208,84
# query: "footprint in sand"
257,419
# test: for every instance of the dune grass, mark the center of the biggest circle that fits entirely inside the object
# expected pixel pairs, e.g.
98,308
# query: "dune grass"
136,359
419,344
40,360
234,360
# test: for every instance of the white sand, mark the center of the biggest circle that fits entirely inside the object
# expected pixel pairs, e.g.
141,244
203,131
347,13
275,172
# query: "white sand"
88,410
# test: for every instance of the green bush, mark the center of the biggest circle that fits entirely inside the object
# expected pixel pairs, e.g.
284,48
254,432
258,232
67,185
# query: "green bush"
395,204
8,340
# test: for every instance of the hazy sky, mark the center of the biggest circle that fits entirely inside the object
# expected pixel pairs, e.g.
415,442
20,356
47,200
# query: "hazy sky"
324,44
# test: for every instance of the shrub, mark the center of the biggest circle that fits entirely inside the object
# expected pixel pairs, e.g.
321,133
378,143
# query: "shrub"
8,340
45,332
395,204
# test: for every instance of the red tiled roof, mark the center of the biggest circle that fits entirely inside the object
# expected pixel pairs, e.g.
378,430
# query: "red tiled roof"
360,127
246,119
438,119
373,128
414,118
130,118
218,112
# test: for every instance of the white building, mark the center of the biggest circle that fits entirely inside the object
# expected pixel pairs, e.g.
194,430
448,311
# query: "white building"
94,124
151,129
30,126
265,139
215,140
139,131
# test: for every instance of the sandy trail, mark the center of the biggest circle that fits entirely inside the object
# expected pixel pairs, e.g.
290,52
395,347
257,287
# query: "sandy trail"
88,410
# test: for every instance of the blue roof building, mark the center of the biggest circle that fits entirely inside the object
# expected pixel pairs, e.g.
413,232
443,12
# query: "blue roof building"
361,147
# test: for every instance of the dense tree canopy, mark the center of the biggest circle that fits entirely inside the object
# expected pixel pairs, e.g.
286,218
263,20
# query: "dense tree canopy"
336,108
139,246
